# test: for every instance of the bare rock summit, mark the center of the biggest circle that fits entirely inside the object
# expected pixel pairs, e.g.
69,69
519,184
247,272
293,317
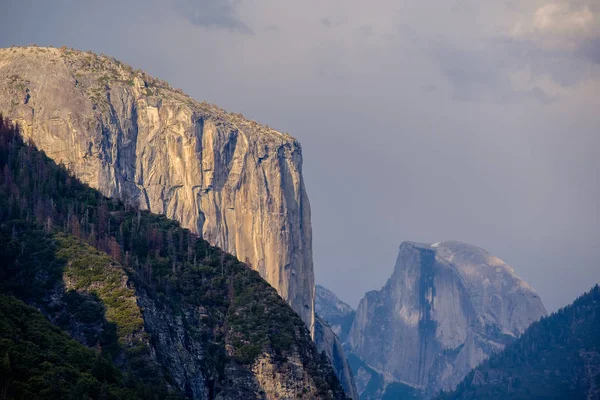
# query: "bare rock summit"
446,308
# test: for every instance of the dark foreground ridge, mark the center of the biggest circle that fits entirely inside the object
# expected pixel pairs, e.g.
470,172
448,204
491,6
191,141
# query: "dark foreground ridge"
162,314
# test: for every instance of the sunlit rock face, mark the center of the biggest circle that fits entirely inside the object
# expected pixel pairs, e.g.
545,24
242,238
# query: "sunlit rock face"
237,183
445,309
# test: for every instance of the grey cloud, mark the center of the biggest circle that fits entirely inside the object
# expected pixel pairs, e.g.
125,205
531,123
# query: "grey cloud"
326,22
366,30
555,45
540,95
590,50
475,75
480,75
566,67
213,14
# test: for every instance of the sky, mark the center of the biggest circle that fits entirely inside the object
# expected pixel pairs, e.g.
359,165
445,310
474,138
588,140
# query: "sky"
470,120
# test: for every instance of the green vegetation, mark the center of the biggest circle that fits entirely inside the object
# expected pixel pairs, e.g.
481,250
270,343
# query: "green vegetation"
556,358
92,271
53,226
103,70
39,361
97,309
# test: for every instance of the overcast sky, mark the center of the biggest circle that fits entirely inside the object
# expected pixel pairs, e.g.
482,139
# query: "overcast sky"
472,120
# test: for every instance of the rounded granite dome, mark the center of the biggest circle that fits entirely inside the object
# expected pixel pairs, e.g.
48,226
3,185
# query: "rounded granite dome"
500,293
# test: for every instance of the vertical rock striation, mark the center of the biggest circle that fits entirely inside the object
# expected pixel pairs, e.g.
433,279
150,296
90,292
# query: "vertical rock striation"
446,308
237,183
327,341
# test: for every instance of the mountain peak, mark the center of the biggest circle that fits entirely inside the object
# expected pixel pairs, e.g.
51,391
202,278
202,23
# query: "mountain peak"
94,72
447,307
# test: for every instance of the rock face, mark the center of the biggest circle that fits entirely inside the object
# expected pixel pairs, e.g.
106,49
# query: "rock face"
328,342
237,183
184,356
556,358
335,312
447,307
180,318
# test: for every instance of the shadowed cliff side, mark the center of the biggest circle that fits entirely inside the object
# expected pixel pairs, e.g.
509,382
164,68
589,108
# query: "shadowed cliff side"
328,342
556,358
447,307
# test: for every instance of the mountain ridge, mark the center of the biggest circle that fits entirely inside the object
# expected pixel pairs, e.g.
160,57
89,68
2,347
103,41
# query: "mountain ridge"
447,306
338,314
445,309
557,357
236,182
215,329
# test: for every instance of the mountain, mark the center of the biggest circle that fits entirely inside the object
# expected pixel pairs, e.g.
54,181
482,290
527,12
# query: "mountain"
446,308
328,342
556,358
368,384
38,359
373,385
237,183
339,315
176,316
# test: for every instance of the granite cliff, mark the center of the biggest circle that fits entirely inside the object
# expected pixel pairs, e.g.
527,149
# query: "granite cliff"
163,314
237,183
447,307
557,357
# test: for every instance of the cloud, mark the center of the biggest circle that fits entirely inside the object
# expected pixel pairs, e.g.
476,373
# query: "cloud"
590,50
555,45
540,95
213,14
564,26
562,18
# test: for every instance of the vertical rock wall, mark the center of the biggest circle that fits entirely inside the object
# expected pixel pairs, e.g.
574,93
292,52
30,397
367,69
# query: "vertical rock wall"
446,308
237,183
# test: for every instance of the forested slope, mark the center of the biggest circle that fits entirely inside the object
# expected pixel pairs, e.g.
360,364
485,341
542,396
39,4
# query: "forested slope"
175,314
556,358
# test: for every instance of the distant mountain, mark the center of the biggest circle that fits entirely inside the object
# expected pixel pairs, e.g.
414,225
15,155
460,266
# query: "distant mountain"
338,314
163,314
447,307
373,385
328,342
556,358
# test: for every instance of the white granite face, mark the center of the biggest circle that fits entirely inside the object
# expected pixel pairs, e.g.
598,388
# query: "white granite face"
237,183
445,309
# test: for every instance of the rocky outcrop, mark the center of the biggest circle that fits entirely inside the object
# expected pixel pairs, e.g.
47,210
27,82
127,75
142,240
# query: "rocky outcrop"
335,312
180,318
237,183
556,358
446,308
328,342
194,367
